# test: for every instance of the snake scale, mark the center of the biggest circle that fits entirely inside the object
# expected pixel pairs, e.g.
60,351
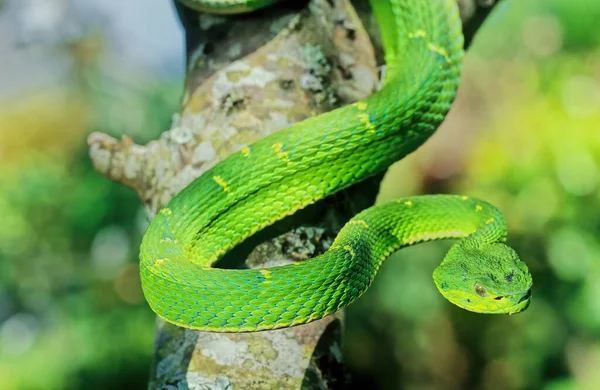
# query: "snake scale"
297,166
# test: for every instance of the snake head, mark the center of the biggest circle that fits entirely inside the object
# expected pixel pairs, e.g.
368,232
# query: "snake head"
487,279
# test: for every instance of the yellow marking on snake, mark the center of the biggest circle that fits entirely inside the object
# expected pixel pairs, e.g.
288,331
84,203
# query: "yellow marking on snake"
165,211
361,106
245,151
417,34
491,220
427,236
408,203
440,50
478,208
160,261
358,222
220,181
350,250
364,118
278,149
266,274
167,239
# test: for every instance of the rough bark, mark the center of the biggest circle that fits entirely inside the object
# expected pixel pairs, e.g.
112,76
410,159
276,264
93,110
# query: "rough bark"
248,76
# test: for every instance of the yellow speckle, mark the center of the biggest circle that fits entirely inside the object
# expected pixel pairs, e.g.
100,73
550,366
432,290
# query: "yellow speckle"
160,261
428,236
350,250
361,106
417,34
245,151
465,197
266,274
478,208
364,118
278,149
408,203
220,181
359,222
490,221
166,211
167,239
440,50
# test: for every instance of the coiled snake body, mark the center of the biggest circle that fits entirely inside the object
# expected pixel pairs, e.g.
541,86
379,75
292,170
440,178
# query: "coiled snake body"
297,166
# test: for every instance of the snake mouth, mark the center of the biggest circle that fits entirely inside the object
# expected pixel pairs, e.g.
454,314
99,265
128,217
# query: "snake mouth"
509,304
501,304
522,302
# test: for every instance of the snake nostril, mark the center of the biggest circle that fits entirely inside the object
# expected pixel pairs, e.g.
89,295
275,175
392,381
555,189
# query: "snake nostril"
498,298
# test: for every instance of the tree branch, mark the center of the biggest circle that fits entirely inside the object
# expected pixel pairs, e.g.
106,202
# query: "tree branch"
248,76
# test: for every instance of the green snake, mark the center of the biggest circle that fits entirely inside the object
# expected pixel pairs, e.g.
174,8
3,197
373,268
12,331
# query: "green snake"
297,166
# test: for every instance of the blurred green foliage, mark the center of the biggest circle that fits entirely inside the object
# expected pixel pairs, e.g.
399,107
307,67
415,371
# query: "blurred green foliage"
523,135
72,314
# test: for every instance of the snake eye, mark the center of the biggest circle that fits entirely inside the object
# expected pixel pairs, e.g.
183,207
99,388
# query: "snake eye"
480,290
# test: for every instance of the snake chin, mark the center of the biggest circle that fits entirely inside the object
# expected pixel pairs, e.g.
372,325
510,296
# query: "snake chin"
502,304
